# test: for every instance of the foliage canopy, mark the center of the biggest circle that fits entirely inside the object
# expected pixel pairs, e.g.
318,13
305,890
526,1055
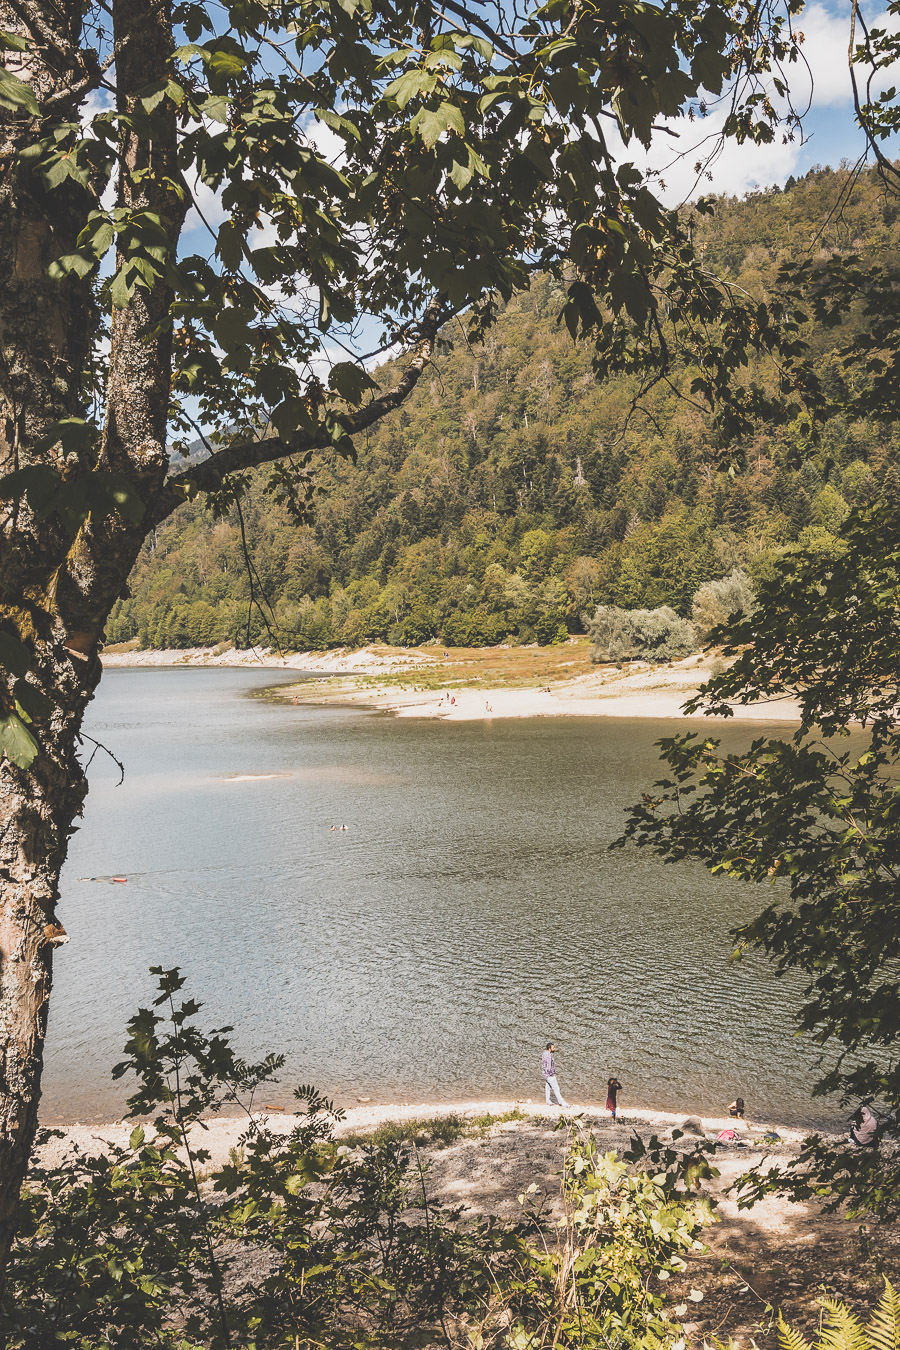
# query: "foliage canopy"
814,818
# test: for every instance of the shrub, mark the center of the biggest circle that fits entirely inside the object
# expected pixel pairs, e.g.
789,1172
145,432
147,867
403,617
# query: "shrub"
718,601
640,634
477,628
551,628
440,1130
418,627
294,1242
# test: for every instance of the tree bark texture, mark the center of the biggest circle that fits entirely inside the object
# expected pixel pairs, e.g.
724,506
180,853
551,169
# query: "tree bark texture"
56,592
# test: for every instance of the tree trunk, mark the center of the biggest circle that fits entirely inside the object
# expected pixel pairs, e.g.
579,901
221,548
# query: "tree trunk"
37,809
55,592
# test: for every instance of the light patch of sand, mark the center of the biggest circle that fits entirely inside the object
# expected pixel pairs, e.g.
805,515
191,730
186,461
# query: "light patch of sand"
222,1133
640,691
366,660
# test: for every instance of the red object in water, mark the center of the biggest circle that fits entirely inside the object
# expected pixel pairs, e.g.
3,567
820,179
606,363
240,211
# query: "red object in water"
120,878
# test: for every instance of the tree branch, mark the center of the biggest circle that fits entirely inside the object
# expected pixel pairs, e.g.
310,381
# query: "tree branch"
211,473
463,12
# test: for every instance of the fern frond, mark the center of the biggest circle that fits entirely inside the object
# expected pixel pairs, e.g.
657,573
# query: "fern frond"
883,1330
841,1329
789,1339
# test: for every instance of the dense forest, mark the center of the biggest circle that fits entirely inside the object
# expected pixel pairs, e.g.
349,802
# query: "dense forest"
512,494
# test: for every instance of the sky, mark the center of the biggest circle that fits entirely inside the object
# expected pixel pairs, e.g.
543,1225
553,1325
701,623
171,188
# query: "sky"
829,131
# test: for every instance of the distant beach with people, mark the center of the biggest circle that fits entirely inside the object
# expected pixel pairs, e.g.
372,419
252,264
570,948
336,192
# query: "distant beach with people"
473,684
223,1132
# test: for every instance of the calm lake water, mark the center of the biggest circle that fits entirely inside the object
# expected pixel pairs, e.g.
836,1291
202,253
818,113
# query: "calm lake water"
470,912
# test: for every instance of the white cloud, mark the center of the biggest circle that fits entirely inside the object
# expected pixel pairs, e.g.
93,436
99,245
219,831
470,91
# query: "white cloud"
734,169
324,141
821,79
827,39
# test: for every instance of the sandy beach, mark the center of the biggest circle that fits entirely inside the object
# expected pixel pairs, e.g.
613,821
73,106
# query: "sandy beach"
465,685
223,1133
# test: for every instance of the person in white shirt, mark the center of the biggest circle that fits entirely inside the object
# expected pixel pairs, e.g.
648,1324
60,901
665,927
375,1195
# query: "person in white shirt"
548,1073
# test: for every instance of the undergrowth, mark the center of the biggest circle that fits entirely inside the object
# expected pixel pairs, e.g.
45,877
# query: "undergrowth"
437,1131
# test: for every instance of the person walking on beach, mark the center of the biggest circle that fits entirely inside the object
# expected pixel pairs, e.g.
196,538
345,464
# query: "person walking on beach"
548,1073
613,1086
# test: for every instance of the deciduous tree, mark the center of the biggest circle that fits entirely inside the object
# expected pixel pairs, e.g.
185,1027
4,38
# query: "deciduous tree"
205,209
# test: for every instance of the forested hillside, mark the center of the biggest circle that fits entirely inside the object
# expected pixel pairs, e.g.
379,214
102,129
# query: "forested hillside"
506,499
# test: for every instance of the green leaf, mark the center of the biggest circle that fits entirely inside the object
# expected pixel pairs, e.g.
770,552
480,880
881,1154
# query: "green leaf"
75,435
14,655
106,492
216,108
31,703
461,174
337,123
136,1138
17,742
71,264
15,94
350,381
429,124
230,244
38,482
478,44
227,63
410,84
13,42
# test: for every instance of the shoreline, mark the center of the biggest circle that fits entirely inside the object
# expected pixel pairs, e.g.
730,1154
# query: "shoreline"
220,1134
483,683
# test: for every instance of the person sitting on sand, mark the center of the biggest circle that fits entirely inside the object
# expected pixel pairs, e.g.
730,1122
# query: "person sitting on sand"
863,1134
736,1109
613,1087
548,1073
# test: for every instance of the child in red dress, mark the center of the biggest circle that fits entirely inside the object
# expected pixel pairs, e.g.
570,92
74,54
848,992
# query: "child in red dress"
612,1087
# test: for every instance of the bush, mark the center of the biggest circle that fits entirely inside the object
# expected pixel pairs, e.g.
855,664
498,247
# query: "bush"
550,629
718,601
475,629
294,1242
640,634
416,628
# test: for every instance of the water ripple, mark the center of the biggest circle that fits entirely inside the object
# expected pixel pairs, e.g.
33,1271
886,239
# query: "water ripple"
470,911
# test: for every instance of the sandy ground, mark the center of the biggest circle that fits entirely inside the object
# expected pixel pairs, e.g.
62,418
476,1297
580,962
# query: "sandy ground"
476,685
366,660
644,693
775,1255
223,1133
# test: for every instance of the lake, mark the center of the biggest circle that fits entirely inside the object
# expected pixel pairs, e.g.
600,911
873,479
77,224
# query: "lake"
470,912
